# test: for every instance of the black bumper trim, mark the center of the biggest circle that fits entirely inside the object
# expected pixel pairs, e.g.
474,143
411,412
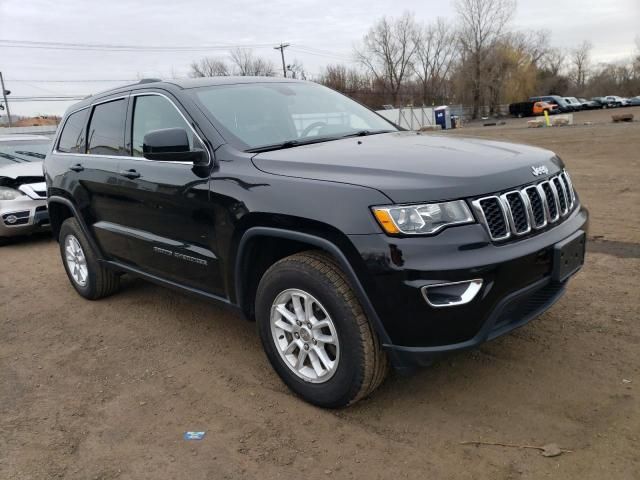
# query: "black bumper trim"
408,358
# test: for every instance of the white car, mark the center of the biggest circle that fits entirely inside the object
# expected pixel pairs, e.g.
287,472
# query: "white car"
574,103
23,193
615,101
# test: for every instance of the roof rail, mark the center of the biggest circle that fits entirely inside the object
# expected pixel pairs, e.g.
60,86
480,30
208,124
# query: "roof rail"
150,80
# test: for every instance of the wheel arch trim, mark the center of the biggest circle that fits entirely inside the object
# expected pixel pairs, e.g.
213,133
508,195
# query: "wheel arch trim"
321,243
83,226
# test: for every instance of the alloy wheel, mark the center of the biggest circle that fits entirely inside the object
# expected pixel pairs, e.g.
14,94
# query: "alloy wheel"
76,261
305,336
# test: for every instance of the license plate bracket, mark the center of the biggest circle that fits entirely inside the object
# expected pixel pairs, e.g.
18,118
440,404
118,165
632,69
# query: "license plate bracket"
568,256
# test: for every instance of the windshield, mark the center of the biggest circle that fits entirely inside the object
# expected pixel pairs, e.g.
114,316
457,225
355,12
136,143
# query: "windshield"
264,114
19,151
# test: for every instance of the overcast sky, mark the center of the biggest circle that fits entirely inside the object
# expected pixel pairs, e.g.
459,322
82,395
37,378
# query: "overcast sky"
320,32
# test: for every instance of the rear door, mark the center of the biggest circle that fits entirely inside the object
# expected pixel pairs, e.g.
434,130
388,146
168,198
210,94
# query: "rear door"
92,141
100,176
168,222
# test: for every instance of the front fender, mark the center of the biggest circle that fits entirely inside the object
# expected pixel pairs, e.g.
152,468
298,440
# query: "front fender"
321,243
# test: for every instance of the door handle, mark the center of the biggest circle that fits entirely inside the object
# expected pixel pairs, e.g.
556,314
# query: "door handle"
130,174
76,168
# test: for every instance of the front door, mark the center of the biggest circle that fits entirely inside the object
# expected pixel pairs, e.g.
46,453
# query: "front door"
168,222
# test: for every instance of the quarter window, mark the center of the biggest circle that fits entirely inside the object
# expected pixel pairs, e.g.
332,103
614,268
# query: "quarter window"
72,138
106,130
153,112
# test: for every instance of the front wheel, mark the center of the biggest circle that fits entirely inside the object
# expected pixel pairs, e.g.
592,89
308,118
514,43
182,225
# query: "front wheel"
315,333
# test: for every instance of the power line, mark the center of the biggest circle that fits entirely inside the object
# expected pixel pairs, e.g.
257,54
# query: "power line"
9,43
40,80
38,100
320,50
325,55
47,98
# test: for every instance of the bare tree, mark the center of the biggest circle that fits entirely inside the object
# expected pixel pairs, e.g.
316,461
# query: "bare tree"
343,79
209,67
335,76
636,60
247,64
388,50
297,70
483,23
580,58
435,54
532,45
553,61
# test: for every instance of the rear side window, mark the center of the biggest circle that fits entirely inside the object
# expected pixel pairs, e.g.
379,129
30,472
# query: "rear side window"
153,112
106,129
72,138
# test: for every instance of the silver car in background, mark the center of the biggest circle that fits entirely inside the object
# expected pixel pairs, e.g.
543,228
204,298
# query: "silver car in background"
23,193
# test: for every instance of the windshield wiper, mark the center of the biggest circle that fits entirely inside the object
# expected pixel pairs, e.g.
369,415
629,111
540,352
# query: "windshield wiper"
290,144
12,158
364,133
41,156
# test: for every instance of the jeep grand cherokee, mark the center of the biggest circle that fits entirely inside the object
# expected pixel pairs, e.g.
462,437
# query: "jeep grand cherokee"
351,243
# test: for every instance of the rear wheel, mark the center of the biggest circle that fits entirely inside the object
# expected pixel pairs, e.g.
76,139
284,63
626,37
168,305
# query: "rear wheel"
86,274
315,333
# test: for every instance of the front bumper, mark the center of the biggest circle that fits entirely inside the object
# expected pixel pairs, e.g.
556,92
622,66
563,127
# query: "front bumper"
517,286
23,216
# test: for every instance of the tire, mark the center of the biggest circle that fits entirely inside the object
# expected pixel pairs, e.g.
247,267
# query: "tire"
359,363
5,241
97,281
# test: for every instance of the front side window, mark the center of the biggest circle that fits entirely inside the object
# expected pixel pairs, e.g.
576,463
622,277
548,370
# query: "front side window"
106,129
72,138
153,112
261,114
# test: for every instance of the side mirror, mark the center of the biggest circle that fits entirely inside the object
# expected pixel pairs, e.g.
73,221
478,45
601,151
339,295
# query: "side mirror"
171,145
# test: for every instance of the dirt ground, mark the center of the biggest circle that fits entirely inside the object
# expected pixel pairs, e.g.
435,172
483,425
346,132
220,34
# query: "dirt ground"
105,390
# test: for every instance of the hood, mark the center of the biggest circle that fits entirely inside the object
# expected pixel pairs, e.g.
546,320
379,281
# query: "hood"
26,169
408,167
26,177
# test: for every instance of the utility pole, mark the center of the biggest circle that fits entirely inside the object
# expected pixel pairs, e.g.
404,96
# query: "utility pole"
281,47
4,94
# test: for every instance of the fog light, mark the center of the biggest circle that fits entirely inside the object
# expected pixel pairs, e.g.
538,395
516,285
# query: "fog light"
451,294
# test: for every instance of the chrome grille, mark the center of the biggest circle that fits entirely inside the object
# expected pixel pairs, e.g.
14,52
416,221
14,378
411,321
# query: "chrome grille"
535,206
562,195
551,197
538,216
495,219
517,212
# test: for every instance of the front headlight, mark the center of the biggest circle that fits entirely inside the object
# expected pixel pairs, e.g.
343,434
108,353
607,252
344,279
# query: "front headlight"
422,219
7,193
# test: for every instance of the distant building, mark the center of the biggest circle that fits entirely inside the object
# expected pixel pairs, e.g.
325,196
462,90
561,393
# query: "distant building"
36,121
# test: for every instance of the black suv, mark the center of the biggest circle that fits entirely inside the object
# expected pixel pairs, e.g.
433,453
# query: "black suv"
353,244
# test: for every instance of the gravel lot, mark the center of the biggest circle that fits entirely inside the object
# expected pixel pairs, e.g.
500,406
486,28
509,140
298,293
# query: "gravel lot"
103,390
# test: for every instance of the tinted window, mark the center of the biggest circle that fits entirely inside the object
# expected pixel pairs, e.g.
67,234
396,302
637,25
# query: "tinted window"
153,112
72,139
106,130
